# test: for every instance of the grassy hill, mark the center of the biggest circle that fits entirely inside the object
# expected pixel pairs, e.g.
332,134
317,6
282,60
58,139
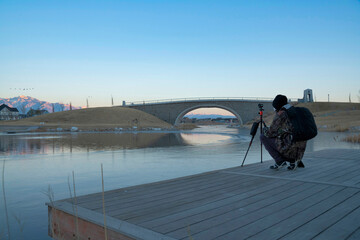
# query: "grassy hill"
330,116
93,118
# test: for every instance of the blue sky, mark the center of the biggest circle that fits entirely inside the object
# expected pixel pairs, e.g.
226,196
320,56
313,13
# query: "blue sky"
142,50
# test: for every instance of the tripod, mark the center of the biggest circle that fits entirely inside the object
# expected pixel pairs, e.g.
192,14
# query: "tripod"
253,131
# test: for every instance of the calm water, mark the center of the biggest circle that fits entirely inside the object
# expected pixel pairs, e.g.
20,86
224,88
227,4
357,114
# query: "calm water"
33,162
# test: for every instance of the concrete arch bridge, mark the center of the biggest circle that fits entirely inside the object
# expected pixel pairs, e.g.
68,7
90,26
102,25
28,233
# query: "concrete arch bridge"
172,111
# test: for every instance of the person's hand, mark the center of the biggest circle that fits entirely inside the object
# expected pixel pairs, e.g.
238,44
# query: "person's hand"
265,130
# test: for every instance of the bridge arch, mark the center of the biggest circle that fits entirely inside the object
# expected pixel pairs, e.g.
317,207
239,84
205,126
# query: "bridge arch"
173,111
189,109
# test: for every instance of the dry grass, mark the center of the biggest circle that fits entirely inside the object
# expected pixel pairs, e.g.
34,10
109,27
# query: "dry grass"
94,118
353,139
337,117
341,129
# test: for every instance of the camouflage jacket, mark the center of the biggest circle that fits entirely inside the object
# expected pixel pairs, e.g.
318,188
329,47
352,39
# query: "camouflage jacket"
281,129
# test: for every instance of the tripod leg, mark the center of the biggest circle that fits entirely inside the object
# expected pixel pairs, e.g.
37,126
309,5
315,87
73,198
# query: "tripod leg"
242,164
261,131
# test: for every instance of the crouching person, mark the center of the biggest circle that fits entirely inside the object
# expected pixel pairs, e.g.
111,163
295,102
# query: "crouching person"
278,138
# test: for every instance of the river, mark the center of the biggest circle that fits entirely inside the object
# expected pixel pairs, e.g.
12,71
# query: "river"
32,163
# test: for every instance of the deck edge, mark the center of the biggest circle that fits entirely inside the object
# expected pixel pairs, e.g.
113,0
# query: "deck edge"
113,224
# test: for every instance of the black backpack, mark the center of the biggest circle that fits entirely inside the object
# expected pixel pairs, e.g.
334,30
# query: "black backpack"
303,123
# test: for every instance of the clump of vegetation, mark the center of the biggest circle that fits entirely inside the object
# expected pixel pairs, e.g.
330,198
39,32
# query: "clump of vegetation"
353,139
341,129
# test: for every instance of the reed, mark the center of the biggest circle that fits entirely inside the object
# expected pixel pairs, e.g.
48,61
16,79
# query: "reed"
2,233
189,233
353,138
103,201
341,129
74,205
5,205
50,194
21,225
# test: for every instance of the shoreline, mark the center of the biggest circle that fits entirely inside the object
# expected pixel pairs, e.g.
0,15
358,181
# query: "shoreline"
36,129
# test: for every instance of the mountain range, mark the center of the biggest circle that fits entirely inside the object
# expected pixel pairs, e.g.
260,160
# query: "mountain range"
25,103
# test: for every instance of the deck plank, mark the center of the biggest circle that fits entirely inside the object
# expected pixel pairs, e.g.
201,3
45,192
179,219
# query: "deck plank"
126,201
343,228
225,200
217,223
284,228
251,202
197,197
328,218
275,205
267,220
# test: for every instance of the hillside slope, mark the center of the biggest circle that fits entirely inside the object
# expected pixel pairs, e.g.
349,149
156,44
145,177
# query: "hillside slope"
329,116
94,118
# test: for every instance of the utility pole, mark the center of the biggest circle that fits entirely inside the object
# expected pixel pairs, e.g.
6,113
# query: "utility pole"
87,103
349,97
112,101
328,97
70,107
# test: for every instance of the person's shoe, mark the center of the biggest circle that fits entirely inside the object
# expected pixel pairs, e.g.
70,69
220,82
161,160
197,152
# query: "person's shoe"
278,166
292,166
296,164
300,164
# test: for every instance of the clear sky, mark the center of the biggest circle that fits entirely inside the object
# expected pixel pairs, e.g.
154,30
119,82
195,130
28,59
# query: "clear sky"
142,50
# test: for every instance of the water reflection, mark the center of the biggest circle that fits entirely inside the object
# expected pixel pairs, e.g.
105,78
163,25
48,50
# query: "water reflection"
196,139
49,143
53,143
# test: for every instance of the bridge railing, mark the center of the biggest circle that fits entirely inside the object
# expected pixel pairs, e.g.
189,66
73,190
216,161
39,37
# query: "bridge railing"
202,99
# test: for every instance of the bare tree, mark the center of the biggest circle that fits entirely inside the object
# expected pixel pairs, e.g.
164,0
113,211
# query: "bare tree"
61,105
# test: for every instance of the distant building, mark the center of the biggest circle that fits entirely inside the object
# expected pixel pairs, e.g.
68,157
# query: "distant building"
308,96
8,113
33,112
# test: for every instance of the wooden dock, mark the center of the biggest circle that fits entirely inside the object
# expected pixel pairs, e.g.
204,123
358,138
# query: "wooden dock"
321,201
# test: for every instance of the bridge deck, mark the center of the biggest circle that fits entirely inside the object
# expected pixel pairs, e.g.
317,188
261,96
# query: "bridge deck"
321,201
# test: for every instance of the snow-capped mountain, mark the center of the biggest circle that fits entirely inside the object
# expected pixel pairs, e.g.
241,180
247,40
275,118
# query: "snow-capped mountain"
25,103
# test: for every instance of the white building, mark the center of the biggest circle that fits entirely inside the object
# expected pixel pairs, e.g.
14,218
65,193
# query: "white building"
8,113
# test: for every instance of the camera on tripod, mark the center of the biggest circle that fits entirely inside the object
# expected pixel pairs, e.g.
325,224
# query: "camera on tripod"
254,129
261,107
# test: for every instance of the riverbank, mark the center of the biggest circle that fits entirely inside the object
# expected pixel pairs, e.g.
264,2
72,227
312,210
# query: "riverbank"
90,119
336,117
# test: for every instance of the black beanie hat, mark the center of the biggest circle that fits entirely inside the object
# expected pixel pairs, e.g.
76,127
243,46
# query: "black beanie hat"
279,101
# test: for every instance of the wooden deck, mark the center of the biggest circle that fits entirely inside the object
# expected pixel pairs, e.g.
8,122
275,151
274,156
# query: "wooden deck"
321,201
